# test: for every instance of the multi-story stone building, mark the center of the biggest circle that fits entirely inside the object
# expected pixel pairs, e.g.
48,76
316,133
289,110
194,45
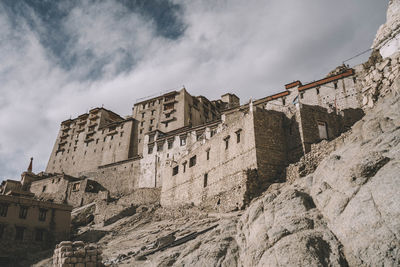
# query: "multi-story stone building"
143,150
28,224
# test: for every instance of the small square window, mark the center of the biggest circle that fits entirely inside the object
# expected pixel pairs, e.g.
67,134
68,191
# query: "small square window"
2,227
39,235
19,233
3,210
192,161
205,182
23,212
42,215
226,139
184,166
170,144
238,132
76,186
175,170
150,150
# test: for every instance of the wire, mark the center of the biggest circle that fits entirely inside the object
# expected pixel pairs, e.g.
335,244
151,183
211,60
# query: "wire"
358,55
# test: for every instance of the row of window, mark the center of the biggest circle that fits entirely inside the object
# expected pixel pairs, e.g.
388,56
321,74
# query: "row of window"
192,160
182,140
335,86
20,232
23,212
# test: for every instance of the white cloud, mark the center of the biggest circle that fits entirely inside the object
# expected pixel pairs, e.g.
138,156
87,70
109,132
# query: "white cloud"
250,48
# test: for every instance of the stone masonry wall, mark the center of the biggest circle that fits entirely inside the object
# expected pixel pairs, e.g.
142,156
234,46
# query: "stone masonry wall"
218,180
86,148
119,178
77,254
378,76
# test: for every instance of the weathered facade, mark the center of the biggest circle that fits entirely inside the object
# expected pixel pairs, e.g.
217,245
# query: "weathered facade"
143,150
217,173
28,224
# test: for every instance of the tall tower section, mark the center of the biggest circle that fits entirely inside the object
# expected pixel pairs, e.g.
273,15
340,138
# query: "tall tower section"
92,139
172,111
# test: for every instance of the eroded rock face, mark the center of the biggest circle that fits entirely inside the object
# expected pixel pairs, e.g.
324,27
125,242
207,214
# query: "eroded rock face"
392,23
284,228
357,189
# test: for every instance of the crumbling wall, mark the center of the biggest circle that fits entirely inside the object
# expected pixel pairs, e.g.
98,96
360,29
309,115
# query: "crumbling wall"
77,254
310,161
119,178
109,210
378,76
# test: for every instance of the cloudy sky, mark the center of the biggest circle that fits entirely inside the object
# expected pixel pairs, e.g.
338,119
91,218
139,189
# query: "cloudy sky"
60,58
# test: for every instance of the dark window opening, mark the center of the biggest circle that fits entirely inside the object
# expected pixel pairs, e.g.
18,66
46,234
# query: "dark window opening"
238,132
354,80
23,212
3,210
19,233
2,227
192,161
44,188
150,150
301,95
175,170
317,90
39,235
142,115
208,154
169,106
151,138
335,85
283,101
42,214
170,144
160,146
212,132
205,180
226,139
184,166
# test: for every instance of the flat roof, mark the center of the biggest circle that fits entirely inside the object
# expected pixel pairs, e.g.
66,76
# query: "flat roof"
347,73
